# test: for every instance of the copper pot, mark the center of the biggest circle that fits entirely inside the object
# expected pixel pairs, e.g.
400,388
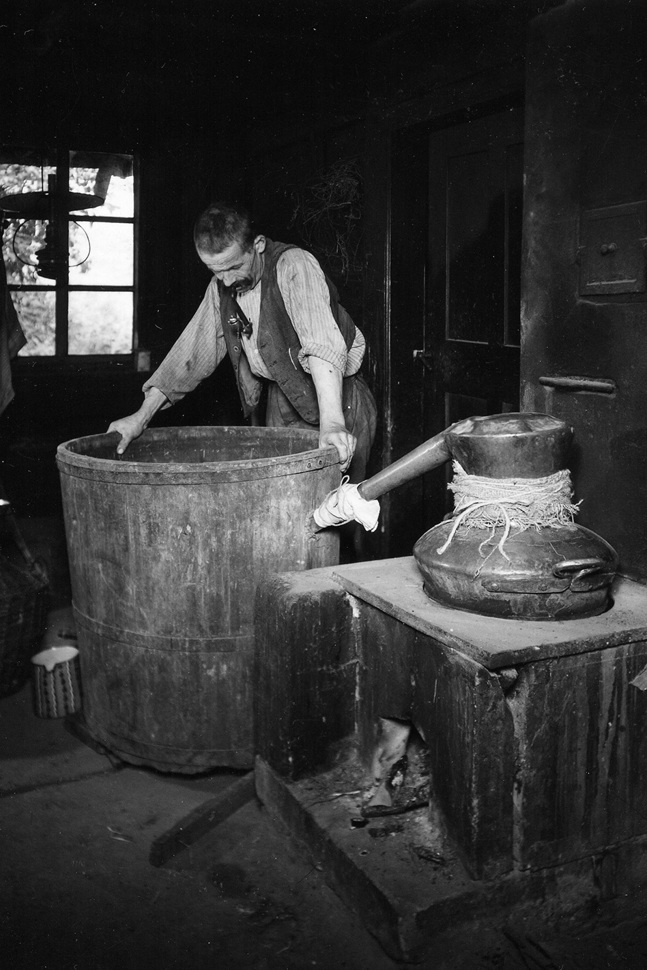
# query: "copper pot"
551,573
558,573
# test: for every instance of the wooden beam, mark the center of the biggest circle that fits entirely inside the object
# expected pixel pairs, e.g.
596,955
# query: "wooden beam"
202,820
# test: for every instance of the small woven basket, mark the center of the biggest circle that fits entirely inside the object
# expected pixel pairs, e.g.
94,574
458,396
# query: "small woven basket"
24,602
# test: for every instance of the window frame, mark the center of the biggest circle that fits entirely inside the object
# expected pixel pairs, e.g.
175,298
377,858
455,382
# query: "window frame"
61,360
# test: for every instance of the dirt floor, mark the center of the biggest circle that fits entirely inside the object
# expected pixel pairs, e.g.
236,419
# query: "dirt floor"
79,892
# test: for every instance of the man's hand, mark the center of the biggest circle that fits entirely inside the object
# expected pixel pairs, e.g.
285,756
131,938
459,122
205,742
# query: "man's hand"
132,426
129,428
338,437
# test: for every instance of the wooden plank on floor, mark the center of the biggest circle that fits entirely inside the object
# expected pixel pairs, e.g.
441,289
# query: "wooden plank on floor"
202,820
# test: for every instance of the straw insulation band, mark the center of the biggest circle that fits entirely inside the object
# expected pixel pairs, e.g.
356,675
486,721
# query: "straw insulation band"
510,503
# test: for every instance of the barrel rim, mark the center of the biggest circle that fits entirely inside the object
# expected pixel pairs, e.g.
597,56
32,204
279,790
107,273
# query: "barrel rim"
143,470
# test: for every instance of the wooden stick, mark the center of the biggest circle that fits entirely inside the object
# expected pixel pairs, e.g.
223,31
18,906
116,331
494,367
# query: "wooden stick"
202,820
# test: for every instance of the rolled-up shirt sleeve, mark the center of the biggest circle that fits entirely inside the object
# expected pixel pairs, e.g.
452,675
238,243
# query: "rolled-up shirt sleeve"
307,300
195,354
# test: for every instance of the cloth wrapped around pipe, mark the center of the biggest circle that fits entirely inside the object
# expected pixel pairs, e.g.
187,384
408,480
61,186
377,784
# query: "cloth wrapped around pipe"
358,503
345,504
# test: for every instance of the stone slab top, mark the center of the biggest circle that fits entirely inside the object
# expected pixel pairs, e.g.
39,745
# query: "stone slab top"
395,587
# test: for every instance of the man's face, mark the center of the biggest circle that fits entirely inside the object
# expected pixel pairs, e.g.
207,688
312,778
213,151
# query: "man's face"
237,268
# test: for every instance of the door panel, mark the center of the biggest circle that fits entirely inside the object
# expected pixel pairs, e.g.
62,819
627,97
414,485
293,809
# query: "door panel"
473,289
471,337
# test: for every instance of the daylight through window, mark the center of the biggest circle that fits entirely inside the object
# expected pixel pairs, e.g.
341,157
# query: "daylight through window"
69,250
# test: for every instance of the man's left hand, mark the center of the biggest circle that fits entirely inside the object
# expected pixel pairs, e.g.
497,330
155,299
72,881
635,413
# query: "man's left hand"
338,437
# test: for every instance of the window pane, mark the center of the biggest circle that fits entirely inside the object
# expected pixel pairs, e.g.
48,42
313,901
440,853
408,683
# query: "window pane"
120,198
17,179
100,323
37,316
101,253
107,177
21,243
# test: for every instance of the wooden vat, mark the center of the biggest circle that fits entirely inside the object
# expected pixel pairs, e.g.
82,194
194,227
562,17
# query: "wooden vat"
166,547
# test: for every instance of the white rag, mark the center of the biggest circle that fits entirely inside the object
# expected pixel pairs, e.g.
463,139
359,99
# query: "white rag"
345,504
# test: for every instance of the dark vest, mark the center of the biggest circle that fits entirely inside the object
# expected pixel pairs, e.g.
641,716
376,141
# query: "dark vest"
278,343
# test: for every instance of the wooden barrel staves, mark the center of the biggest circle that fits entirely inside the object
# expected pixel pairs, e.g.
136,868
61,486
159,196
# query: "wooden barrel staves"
166,546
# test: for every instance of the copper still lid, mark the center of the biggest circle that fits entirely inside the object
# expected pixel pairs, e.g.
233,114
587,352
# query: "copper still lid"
512,445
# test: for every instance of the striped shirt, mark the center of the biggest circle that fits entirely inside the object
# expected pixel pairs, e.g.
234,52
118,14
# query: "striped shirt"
201,346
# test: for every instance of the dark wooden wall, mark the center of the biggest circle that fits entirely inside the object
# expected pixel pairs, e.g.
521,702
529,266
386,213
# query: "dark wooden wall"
454,72
196,136
585,306
433,71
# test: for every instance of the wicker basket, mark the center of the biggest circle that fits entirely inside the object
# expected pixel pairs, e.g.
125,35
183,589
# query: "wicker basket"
24,603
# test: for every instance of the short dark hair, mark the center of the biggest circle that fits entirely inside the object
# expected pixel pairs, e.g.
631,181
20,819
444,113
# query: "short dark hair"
221,224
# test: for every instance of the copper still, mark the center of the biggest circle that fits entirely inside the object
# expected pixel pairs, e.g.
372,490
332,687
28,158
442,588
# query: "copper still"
545,572
490,557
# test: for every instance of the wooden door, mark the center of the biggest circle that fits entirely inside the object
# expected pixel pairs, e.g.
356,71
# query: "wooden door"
470,359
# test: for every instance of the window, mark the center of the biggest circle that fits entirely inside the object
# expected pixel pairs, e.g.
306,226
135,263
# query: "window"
70,253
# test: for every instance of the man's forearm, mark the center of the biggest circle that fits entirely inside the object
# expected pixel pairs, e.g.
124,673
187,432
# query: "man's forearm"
153,401
328,381
328,385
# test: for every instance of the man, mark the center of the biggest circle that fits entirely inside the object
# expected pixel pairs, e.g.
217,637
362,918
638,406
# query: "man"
273,311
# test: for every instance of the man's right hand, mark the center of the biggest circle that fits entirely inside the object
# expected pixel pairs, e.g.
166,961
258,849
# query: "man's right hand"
129,428
132,426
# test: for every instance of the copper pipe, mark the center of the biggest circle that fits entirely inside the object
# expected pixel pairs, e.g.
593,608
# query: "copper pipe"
430,454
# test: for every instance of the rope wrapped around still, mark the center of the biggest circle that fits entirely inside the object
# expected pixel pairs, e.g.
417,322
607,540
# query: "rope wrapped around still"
509,503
